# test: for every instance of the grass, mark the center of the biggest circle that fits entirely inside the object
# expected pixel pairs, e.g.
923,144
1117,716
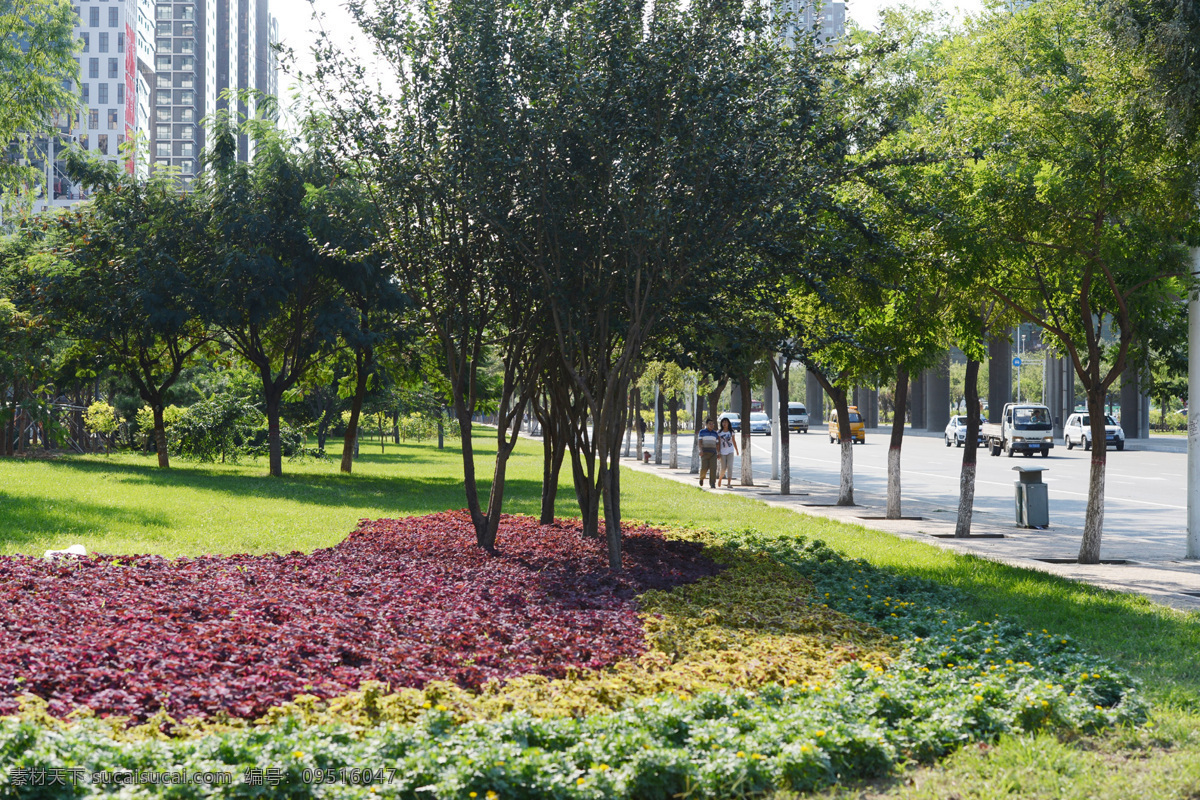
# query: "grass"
123,504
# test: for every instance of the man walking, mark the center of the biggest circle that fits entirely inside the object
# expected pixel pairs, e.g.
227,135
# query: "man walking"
710,444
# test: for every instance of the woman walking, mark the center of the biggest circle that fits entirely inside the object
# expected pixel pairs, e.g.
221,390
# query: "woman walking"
728,450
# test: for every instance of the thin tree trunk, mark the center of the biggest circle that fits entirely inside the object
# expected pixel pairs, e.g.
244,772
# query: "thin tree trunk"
629,426
966,480
640,423
274,446
160,436
658,423
893,487
673,409
785,456
846,482
1093,523
697,423
747,459
350,447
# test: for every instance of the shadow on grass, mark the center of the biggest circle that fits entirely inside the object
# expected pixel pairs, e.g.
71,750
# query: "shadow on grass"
27,519
405,494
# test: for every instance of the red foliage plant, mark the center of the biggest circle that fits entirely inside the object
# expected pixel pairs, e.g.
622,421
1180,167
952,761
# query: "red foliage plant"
399,601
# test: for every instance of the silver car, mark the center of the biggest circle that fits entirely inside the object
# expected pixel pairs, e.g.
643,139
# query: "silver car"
759,422
956,432
1078,431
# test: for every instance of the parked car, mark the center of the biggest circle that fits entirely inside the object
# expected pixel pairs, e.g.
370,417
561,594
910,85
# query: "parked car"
797,417
858,431
735,420
760,422
956,432
1078,431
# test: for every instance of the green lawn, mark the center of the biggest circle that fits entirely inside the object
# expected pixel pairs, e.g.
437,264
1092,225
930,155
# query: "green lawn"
124,504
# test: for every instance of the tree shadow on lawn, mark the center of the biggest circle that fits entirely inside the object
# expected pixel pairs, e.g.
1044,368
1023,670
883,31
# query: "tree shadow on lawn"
402,493
25,519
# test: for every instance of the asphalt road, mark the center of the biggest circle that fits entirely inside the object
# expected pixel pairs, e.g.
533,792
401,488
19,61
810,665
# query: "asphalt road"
1145,510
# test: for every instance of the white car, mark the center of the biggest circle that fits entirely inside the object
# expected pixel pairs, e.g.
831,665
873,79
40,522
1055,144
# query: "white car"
956,432
760,422
1078,431
797,417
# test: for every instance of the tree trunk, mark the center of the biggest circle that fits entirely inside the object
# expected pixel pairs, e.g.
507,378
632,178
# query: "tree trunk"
629,426
966,480
893,487
846,483
610,477
747,459
640,423
673,409
274,446
160,436
785,456
697,423
350,448
1093,523
658,424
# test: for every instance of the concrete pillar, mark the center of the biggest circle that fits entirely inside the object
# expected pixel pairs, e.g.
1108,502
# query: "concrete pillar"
1054,394
937,395
814,397
999,390
874,406
916,400
735,398
1135,405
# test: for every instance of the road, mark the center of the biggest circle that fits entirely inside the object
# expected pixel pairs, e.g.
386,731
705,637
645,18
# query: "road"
1145,511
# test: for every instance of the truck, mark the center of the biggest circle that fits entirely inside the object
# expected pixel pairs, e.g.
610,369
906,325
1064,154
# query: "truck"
1024,428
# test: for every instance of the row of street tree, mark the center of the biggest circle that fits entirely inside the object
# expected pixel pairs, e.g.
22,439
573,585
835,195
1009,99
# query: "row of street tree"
562,195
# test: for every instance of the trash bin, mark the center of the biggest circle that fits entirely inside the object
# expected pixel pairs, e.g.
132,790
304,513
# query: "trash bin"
1033,502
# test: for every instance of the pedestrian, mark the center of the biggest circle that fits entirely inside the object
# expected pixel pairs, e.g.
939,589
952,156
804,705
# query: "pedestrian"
728,449
710,445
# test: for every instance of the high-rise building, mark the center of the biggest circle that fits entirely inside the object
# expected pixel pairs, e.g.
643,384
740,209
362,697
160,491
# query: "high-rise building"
154,70
825,21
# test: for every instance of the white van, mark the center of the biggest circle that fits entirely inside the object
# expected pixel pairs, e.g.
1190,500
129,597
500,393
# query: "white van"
797,417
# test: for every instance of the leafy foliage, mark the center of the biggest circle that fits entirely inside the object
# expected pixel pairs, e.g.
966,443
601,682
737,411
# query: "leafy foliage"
101,418
403,602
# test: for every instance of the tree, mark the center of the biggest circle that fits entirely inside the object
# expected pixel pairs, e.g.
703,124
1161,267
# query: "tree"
263,282
643,167
37,70
1085,190
119,284
431,155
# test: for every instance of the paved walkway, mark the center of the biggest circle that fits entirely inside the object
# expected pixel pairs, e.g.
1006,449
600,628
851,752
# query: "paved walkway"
1155,572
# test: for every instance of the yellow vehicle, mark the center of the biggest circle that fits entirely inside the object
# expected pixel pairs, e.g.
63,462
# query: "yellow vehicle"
858,431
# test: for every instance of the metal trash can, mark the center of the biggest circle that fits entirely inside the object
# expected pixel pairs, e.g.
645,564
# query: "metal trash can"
1032,500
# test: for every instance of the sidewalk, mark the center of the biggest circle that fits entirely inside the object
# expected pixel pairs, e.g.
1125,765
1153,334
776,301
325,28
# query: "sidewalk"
1155,573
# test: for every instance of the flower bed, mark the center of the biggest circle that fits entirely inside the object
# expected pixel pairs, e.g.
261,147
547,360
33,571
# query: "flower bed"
404,602
792,668
858,716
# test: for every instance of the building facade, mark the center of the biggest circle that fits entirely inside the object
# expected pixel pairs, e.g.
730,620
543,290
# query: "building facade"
825,21
153,71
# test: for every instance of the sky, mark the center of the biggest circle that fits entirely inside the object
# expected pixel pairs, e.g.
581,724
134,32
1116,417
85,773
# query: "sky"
296,25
